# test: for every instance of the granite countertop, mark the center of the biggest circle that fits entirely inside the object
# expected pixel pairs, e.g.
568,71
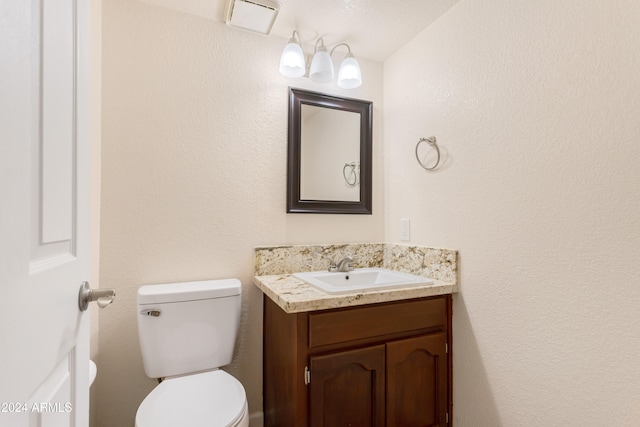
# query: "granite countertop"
294,295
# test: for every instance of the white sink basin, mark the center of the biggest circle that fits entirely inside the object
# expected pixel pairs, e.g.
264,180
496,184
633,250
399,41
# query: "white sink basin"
361,279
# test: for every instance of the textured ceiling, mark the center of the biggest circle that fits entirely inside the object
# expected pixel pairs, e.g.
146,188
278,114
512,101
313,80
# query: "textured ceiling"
373,28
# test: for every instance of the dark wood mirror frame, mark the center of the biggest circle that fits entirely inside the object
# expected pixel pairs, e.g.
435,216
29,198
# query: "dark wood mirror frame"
295,204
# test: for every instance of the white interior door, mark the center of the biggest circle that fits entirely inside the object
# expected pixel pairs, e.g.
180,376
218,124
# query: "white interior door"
44,228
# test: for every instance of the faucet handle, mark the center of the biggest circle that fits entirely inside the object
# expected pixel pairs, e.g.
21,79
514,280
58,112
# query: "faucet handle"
332,266
350,261
345,264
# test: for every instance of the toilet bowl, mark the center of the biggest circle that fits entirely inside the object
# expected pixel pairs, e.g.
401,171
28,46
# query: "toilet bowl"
208,399
187,331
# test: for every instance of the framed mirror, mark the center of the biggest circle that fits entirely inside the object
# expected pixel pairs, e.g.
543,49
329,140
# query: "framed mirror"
329,154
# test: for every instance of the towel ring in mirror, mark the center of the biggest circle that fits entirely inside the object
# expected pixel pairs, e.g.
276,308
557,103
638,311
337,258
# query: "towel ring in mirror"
351,173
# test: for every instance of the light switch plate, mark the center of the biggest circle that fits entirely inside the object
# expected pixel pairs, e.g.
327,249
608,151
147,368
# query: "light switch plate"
405,233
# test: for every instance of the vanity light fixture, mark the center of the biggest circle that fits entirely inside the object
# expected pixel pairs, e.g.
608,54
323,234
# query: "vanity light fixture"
292,59
349,75
293,64
321,70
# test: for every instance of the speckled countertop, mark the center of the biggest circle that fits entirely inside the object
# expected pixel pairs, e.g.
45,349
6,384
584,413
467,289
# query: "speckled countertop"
274,266
294,296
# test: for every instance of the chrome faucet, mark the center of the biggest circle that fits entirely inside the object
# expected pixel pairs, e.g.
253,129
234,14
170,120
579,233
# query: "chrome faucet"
345,264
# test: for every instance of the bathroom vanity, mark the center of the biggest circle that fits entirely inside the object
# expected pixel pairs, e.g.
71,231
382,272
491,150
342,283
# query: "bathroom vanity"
372,358
373,365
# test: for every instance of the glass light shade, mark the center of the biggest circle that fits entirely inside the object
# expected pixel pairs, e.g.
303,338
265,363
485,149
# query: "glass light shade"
292,60
321,70
349,75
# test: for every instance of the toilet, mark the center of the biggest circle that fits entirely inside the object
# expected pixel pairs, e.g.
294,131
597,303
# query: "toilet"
187,332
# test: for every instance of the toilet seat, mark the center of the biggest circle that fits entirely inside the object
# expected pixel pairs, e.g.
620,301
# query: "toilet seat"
212,398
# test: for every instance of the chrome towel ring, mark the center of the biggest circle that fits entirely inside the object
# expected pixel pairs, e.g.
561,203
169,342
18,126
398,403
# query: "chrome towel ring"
432,142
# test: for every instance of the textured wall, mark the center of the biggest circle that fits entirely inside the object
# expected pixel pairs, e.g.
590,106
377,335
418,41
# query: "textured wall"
95,75
536,106
193,178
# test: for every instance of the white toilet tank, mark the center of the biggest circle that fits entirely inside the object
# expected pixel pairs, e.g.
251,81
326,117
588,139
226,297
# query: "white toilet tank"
188,327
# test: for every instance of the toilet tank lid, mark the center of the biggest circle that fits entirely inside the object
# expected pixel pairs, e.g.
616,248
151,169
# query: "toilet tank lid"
188,291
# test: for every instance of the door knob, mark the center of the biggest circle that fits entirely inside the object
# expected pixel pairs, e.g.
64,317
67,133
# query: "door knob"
103,297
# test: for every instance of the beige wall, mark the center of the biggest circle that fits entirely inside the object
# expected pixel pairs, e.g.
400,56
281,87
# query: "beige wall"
95,74
537,106
193,178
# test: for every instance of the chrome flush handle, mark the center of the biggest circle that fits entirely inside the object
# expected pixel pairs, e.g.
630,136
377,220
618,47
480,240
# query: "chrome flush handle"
153,312
103,297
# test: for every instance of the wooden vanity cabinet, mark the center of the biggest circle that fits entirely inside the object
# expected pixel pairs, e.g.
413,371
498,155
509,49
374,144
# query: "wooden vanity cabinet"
386,364
348,388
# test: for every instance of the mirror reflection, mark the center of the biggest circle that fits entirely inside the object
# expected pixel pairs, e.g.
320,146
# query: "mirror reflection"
330,154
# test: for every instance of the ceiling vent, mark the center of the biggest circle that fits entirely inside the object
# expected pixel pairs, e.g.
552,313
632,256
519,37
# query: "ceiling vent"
257,16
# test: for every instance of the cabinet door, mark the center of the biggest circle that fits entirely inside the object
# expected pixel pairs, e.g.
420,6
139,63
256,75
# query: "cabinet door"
417,381
348,388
